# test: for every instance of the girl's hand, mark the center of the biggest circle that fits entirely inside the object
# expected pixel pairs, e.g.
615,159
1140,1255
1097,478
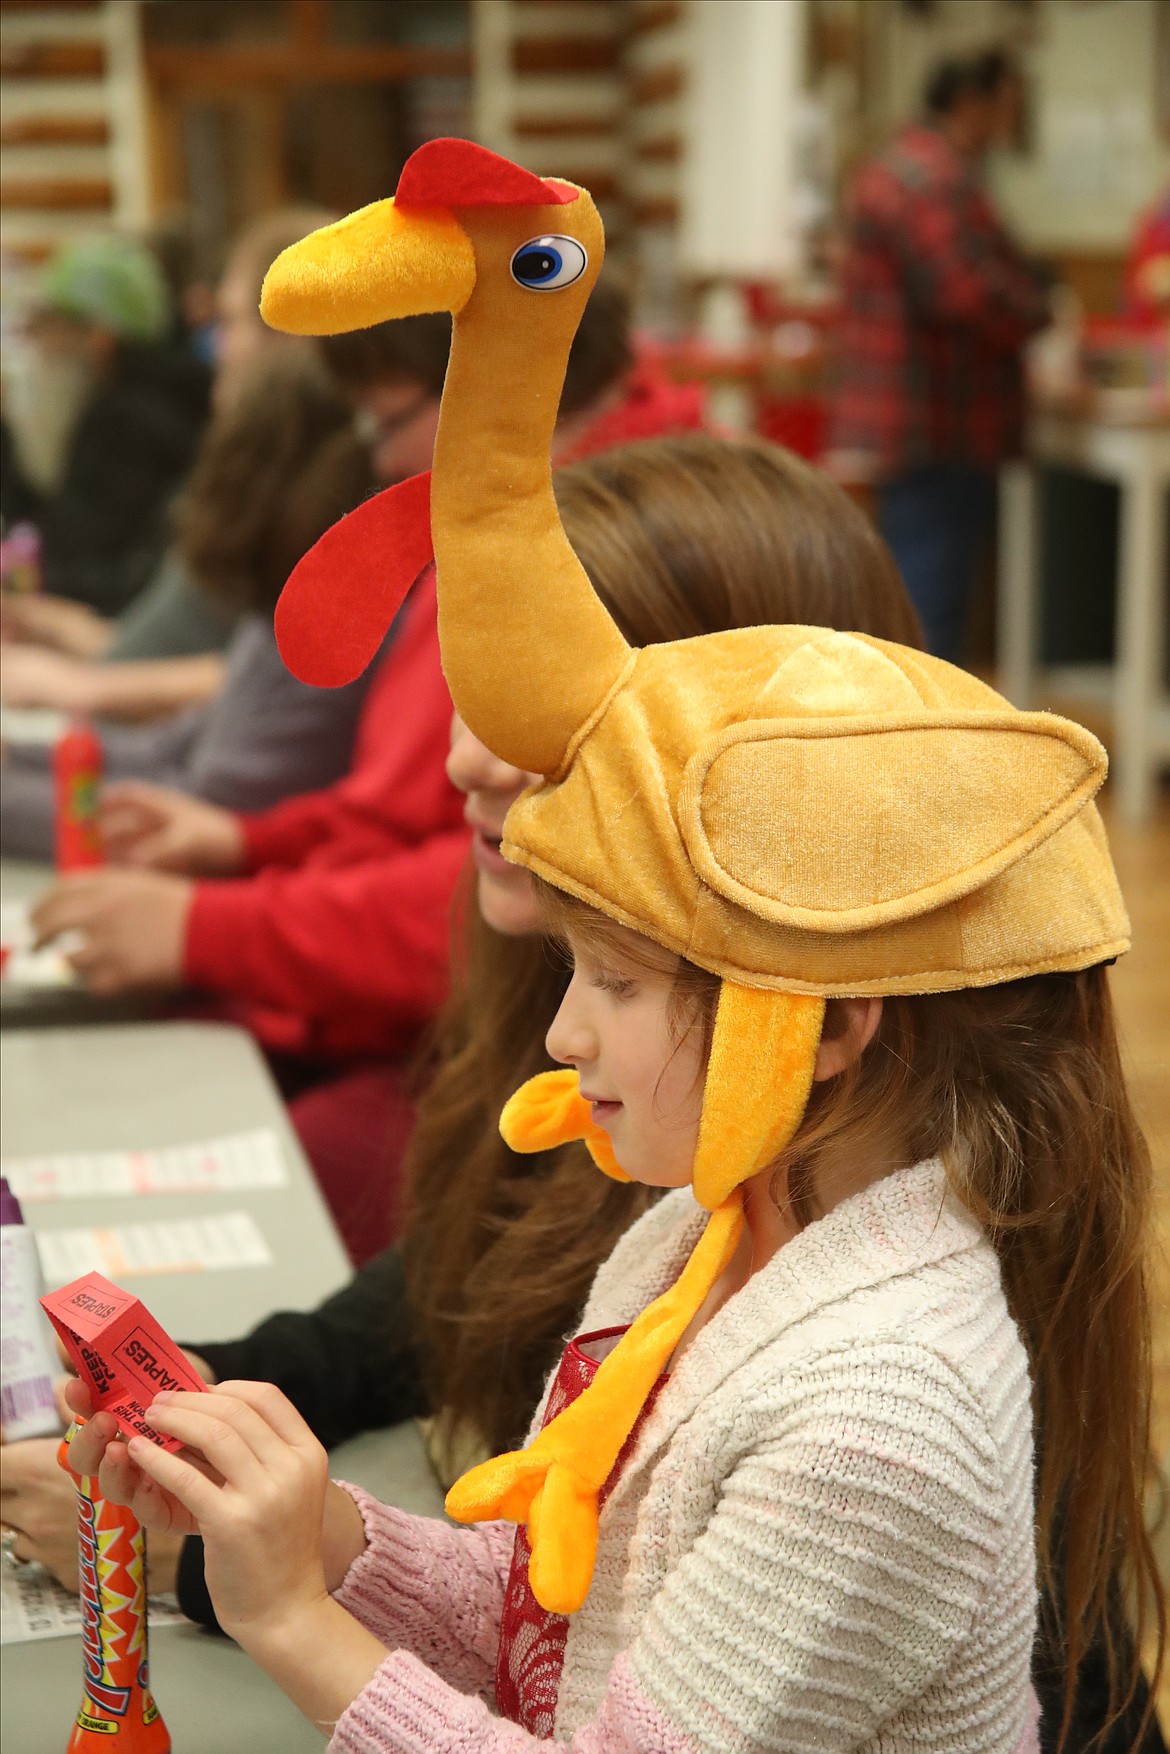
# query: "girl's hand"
33,676
40,620
38,1503
96,1449
253,1481
134,926
156,828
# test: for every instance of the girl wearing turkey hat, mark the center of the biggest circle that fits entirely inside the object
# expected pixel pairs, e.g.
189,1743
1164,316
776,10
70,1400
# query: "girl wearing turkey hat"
838,917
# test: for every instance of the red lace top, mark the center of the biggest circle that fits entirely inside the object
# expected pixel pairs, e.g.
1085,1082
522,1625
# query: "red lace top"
532,1641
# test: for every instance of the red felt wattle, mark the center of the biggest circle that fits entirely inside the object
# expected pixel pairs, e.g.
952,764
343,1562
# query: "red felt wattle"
458,173
342,596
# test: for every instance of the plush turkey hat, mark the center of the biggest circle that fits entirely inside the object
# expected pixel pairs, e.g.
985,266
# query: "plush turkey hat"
827,813
803,812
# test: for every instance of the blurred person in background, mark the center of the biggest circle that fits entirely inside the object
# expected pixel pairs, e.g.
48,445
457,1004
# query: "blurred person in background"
613,395
937,305
279,464
108,421
323,923
1147,266
161,652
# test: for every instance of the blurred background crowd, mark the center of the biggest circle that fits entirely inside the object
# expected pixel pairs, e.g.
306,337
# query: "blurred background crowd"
923,244
777,177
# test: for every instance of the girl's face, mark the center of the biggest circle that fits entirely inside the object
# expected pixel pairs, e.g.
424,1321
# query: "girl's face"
645,1085
490,786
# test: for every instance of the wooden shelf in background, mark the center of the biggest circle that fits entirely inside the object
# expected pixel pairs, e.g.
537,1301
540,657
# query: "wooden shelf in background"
48,60
54,131
565,54
57,195
657,85
299,64
602,185
654,16
662,210
550,127
661,149
50,6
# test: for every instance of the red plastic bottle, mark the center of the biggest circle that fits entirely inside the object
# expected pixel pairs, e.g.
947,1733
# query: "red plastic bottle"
77,777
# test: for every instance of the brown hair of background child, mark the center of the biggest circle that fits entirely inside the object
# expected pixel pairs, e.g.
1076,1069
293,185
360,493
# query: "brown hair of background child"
278,465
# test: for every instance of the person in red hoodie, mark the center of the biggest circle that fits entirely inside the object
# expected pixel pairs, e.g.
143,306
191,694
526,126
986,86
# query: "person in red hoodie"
322,924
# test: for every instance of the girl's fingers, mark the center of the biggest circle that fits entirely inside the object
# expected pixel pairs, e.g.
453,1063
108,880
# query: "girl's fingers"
177,1478
78,1397
88,1444
214,1431
152,850
55,914
122,815
121,1482
275,1409
230,1432
135,795
159,1512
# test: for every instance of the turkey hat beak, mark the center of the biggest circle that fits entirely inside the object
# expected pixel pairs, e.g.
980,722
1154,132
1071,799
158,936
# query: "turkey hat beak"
401,257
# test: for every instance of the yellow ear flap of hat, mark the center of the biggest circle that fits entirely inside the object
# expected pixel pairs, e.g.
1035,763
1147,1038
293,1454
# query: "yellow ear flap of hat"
759,1075
549,1111
758,1078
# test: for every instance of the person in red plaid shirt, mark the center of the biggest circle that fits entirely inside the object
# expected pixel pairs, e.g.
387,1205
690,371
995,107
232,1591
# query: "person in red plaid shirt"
937,305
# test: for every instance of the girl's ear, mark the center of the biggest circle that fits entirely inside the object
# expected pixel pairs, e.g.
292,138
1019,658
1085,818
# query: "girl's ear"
850,1026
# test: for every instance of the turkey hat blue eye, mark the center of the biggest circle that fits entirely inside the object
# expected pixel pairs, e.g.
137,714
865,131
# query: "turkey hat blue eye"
544,264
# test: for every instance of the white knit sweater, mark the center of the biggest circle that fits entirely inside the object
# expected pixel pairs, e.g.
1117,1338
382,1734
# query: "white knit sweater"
823,1539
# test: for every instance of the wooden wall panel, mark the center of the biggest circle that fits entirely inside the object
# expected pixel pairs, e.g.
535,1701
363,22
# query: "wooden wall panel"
57,194
54,130
53,60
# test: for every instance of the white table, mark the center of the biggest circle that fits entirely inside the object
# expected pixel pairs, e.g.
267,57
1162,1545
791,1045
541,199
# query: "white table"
156,1084
1135,453
162,1084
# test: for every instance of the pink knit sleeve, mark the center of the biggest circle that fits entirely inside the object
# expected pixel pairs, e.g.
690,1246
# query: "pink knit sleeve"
408,1710
432,1589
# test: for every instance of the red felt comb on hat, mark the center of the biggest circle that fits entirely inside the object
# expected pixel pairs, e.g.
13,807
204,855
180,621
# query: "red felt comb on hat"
458,173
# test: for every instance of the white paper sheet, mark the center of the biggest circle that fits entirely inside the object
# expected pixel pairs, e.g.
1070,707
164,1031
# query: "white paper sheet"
239,1160
183,1245
31,724
33,1605
22,965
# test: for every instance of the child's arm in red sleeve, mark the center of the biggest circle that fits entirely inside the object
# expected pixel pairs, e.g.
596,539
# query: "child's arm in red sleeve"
324,942
285,835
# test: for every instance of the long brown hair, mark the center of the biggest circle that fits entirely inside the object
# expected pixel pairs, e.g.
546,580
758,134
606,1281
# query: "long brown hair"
1019,1090
680,536
276,468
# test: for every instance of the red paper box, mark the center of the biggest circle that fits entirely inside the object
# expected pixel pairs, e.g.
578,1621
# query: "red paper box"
118,1348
